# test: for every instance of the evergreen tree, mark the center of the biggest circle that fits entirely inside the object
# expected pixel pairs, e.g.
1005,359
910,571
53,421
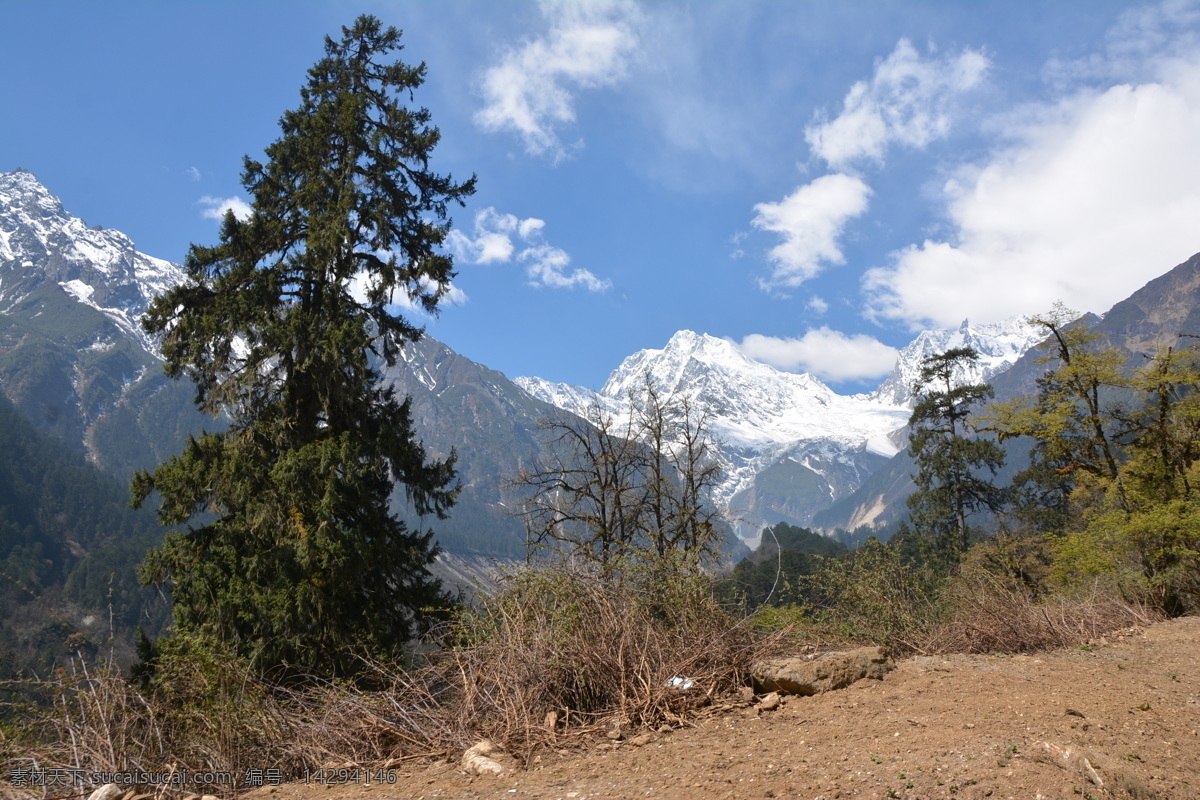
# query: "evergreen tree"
948,488
282,325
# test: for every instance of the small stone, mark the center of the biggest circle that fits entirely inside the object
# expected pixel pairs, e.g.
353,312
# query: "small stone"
770,702
615,735
109,791
551,721
746,694
642,740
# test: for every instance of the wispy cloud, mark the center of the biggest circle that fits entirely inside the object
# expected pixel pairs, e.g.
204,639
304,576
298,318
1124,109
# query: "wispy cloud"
828,354
193,173
810,220
1091,195
532,90
909,100
501,238
216,207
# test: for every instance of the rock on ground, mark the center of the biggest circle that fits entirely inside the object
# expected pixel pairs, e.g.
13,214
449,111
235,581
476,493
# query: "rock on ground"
823,673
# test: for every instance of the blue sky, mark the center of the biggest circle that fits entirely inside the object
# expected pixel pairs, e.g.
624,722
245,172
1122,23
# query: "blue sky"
815,181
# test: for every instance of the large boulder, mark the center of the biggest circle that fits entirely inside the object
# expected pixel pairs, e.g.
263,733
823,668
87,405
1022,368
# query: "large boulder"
822,673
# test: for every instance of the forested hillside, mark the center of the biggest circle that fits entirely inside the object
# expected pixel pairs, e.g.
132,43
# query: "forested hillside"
69,549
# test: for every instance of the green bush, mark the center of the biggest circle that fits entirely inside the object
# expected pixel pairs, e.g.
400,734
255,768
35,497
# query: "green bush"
874,595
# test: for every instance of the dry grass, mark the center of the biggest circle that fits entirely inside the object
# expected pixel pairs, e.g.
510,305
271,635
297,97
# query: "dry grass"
990,613
552,657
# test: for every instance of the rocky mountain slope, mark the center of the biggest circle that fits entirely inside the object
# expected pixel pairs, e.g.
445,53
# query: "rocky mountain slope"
490,424
73,358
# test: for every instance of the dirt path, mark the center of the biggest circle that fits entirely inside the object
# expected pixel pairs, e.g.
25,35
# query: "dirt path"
1116,720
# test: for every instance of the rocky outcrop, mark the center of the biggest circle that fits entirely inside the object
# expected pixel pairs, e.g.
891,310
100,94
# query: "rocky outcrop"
809,675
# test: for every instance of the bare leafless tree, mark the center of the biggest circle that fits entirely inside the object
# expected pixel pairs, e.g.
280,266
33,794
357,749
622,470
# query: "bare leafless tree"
636,488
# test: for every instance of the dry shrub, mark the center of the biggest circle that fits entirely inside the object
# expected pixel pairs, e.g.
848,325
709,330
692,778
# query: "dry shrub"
992,613
204,712
599,653
83,717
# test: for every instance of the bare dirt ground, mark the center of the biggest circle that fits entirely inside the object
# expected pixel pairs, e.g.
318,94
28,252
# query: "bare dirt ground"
1118,719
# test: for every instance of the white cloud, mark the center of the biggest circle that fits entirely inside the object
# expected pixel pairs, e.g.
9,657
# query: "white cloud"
193,173
909,100
816,305
493,243
547,267
452,295
218,206
827,353
531,92
493,237
1092,197
810,220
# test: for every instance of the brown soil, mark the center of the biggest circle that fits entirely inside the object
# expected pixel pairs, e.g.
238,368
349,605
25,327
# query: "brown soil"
1118,719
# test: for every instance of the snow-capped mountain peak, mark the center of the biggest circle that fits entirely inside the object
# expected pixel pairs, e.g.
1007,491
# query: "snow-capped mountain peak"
99,267
760,418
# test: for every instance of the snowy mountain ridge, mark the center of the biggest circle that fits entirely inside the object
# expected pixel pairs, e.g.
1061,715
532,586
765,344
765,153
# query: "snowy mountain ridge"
999,346
99,267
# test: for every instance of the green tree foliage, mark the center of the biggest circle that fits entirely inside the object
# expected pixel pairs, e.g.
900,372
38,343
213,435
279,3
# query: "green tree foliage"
1073,431
1115,464
948,458
1143,524
875,594
776,571
281,325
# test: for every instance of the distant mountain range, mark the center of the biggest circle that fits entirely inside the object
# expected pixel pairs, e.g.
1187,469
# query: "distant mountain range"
75,363
73,359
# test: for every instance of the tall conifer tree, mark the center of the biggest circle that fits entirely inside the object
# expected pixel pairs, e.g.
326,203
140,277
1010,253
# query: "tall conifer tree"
282,325
949,488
